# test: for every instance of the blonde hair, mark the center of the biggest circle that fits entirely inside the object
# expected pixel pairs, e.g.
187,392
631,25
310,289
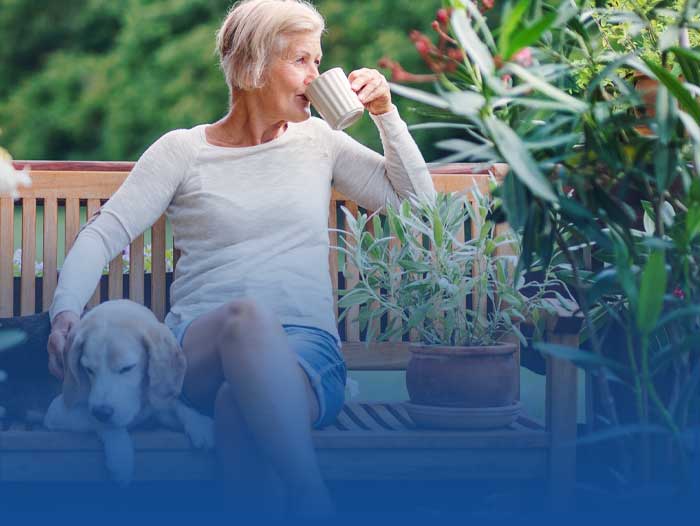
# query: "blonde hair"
255,31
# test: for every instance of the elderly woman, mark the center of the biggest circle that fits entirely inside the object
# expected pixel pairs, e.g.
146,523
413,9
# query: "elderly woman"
248,199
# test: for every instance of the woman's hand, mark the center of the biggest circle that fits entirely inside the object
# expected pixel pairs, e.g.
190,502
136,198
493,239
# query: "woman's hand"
60,329
372,89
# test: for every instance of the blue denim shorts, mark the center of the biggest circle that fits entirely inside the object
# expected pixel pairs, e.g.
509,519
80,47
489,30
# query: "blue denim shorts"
318,354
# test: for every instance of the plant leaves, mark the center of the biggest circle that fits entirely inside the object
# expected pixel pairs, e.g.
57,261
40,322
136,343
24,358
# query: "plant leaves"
518,157
419,96
529,35
541,85
471,43
685,99
651,292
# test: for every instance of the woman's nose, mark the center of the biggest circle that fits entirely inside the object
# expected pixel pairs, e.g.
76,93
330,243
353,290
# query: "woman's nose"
312,75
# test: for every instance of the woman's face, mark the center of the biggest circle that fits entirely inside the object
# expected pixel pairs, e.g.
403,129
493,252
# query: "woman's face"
289,75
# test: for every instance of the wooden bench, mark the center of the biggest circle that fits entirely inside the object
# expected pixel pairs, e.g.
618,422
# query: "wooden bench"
369,440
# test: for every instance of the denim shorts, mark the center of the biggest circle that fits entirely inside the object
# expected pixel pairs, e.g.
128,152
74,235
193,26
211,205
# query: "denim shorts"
318,354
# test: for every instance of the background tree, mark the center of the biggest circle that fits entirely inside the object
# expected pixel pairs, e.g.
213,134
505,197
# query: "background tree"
97,79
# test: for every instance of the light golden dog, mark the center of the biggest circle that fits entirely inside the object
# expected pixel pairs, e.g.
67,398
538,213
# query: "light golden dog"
123,367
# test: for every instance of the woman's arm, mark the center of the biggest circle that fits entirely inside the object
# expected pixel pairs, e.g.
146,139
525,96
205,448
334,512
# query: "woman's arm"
367,177
137,204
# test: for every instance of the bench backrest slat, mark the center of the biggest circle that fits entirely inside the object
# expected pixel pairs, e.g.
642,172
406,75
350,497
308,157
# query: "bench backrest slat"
93,205
50,240
352,329
136,265
27,300
7,226
158,268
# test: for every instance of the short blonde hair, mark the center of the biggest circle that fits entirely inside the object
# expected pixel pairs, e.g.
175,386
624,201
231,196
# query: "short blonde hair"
255,31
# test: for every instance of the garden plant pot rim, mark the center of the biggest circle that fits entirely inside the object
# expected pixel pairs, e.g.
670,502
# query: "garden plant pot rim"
462,350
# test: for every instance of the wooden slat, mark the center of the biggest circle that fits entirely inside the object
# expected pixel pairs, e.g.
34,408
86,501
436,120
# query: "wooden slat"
50,250
388,417
93,205
72,221
439,464
352,326
375,324
74,185
20,439
561,412
7,248
357,412
158,268
498,170
75,166
380,356
27,294
478,268
116,278
382,416
136,264
333,254
391,316
347,422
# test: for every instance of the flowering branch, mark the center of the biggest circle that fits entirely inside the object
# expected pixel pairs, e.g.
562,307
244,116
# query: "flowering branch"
11,179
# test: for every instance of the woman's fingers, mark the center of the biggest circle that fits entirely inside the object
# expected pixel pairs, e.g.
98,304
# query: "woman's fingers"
372,89
57,343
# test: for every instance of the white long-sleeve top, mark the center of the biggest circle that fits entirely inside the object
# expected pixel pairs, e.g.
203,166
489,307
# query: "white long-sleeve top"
249,221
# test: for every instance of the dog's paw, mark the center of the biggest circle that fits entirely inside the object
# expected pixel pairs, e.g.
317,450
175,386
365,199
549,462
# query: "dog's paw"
120,472
200,430
119,455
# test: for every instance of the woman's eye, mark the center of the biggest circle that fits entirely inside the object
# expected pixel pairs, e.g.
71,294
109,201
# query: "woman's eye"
126,369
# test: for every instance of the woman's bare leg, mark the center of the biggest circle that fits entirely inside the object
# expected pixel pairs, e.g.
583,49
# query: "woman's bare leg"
252,485
247,347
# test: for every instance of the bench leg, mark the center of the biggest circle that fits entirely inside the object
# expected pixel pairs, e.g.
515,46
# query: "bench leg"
562,391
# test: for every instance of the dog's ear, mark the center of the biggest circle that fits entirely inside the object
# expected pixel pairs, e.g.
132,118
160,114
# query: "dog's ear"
76,384
166,366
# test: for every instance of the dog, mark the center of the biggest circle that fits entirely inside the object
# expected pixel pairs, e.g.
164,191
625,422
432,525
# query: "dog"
122,368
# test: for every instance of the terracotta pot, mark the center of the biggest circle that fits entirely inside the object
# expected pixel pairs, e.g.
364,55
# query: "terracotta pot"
463,376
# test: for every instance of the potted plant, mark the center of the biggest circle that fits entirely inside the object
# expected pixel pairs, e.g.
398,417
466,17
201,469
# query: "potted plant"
463,297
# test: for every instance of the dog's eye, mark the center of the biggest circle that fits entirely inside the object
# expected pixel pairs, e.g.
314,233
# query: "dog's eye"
126,369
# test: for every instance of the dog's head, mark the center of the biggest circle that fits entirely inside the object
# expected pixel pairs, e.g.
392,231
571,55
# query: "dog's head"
119,362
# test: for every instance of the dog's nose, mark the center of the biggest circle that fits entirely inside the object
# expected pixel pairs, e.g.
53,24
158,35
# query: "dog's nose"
103,412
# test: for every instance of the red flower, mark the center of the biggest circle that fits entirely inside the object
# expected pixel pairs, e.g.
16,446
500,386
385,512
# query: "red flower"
442,16
422,46
678,293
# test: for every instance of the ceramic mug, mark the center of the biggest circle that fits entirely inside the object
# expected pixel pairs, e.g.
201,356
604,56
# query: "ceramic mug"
334,99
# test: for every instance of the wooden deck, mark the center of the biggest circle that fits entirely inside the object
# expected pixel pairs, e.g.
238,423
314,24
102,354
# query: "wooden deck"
369,440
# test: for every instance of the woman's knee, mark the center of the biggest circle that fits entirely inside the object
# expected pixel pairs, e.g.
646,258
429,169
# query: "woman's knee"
242,316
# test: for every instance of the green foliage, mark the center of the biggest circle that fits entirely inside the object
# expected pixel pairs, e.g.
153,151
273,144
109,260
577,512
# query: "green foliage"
451,291
98,79
609,174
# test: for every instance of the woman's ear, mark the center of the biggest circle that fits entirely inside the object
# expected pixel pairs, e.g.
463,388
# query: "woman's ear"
76,384
166,366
